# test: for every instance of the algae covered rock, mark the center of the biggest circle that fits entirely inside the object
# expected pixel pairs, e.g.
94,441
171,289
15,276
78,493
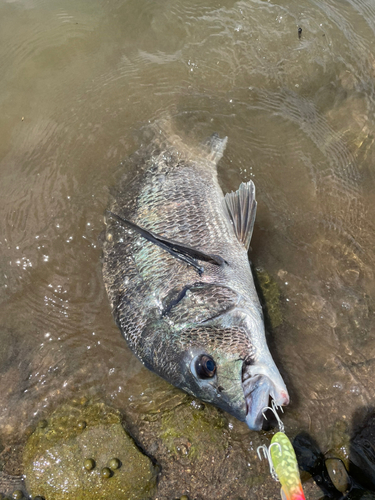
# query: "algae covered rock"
271,296
205,453
194,430
56,457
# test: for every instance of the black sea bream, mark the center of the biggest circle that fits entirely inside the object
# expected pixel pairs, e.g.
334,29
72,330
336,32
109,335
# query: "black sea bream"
179,281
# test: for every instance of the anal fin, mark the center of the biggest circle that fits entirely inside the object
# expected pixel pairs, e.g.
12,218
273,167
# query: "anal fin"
241,207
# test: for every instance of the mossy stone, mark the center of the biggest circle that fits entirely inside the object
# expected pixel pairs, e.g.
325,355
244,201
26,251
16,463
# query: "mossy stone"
106,472
339,445
89,464
81,425
338,474
271,295
17,495
114,464
193,433
53,457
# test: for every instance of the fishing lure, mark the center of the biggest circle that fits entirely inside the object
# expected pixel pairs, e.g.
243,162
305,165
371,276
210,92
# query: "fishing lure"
282,461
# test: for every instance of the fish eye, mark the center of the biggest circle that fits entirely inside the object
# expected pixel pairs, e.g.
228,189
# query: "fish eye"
205,366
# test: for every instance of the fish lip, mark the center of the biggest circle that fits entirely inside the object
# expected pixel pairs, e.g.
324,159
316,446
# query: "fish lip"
256,398
259,384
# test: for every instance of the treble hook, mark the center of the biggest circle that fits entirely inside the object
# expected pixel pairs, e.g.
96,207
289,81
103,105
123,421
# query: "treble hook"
267,455
274,407
267,450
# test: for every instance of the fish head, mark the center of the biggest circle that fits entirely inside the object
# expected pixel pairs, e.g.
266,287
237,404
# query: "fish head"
222,367
211,343
214,377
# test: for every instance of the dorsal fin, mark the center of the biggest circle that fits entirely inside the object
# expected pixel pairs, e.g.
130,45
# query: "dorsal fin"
178,250
215,147
241,207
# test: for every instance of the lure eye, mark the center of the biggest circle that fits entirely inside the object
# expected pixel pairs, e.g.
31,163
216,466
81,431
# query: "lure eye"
205,366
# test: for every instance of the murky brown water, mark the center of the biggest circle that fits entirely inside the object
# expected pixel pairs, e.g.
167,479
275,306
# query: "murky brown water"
79,79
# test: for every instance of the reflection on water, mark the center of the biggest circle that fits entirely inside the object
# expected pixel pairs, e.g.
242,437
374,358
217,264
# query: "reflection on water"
79,79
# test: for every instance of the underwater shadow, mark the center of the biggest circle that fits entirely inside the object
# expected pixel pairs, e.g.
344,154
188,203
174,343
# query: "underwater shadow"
353,480
362,448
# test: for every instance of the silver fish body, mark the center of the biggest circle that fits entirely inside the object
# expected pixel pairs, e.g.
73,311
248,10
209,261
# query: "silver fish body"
182,291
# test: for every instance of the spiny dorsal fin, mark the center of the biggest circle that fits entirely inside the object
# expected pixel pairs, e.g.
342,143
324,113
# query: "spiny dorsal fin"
214,147
241,207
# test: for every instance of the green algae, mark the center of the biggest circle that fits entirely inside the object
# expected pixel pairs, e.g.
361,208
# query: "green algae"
271,296
54,457
191,430
339,443
256,480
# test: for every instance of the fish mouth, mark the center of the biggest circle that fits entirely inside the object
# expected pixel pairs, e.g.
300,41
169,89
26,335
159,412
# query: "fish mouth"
260,383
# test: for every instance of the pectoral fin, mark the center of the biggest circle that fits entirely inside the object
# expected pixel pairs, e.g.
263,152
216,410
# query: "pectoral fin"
241,207
176,249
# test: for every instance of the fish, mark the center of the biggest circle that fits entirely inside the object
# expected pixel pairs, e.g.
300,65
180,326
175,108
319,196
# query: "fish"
178,277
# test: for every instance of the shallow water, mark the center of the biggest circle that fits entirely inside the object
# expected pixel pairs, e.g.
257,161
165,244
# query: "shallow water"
77,82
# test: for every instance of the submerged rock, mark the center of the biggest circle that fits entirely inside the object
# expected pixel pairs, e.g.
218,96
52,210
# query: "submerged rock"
203,452
271,296
195,432
56,456
338,474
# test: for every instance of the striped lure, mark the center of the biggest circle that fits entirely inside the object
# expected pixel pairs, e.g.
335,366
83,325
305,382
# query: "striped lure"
286,468
283,463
